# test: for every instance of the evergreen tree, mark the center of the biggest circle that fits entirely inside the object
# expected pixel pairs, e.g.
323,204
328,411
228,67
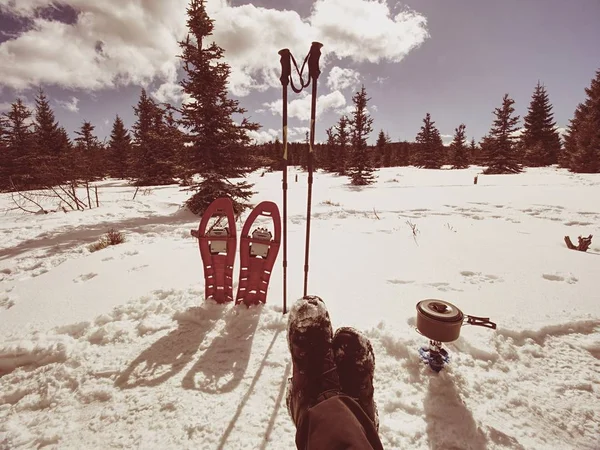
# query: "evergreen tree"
19,143
217,141
361,125
145,164
570,148
304,152
383,150
5,160
277,155
540,140
89,158
342,137
174,144
584,132
329,158
458,149
431,147
474,152
119,149
49,144
500,144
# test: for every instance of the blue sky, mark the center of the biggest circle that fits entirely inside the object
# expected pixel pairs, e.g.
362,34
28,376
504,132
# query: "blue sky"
454,59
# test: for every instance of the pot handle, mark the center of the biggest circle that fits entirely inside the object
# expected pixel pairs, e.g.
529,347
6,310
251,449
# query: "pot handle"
481,322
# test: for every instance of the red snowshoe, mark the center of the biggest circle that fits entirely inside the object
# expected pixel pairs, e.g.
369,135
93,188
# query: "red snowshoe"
217,248
258,252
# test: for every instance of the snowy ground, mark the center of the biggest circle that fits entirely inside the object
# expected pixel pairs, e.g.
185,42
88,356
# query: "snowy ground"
117,349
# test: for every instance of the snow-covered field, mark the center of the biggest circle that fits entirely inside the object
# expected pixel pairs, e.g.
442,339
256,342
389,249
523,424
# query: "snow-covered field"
117,349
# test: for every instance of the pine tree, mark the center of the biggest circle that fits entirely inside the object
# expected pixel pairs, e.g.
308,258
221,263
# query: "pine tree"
328,160
361,126
49,145
500,144
540,140
342,138
119,149
144,167
19,146
584,133
383,150
5,160
570,148
217,141
89,159
431,147
474,152
174,144
459,153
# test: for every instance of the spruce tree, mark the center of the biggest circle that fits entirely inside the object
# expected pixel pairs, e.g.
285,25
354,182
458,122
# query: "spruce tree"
49,143
584,133
540,140
119,149
144,168
217,141
89,163
458,149
329,157
361,126
500,144
474,152
570,148
430,152
20,146
5,160
383,150
342,137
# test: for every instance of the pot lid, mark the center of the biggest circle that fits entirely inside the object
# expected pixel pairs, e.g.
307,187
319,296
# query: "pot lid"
440,310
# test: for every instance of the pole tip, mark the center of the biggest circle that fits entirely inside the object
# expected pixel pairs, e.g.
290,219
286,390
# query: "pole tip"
283,51
318,44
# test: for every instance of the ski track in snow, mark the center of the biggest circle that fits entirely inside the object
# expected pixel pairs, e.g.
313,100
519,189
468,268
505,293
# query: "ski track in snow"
163,369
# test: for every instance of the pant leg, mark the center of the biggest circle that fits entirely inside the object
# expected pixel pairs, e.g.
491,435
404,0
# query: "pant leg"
338,423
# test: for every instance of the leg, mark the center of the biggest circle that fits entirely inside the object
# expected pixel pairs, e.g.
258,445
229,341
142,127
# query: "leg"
337,423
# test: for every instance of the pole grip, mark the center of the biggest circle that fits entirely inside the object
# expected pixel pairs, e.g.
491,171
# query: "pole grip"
313,60
286,66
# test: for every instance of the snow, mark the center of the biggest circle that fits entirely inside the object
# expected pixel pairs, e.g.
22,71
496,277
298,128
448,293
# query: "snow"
117,349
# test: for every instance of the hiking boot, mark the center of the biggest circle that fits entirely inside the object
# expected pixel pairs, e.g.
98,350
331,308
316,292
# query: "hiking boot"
355,360
314,376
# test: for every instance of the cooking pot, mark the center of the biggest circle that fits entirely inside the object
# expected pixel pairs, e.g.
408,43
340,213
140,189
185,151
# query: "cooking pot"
441,321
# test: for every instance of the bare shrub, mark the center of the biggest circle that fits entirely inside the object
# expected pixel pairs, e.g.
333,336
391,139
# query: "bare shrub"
112,237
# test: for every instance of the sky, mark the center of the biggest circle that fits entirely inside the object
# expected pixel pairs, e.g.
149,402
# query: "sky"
454,59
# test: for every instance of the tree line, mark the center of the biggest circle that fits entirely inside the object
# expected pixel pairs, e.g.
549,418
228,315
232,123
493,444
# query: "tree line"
202,148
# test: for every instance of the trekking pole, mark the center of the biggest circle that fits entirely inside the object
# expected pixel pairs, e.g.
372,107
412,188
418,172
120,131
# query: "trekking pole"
286,72
313,73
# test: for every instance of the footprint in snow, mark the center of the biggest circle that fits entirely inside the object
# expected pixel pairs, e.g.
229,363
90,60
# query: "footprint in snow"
444,287
85,277
577,223
556,277
400,281
478,277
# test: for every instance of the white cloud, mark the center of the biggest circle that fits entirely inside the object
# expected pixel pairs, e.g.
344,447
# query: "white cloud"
262,136
5,106
298,131
447,138
120,42
300,108
340,79
113,42
374,108
69,105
